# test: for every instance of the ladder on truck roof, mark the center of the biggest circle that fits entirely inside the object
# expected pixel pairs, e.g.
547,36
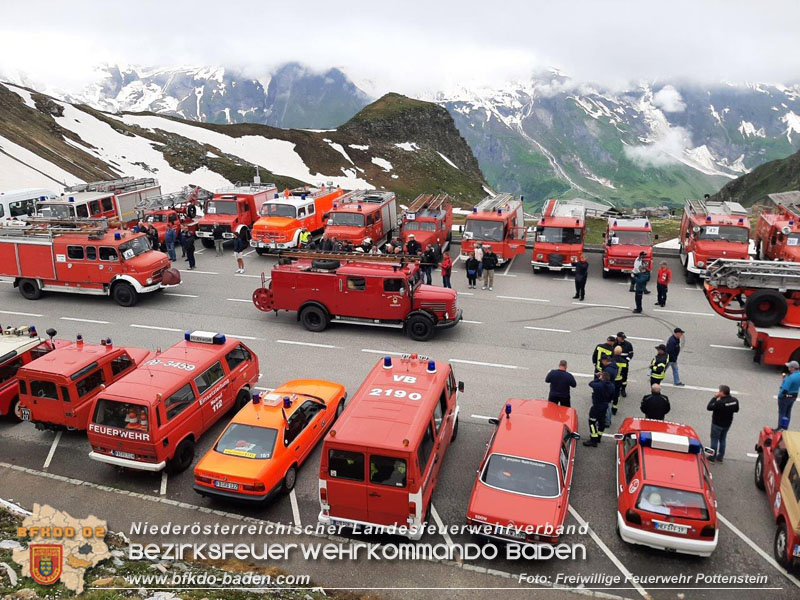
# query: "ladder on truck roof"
188,195
351,256
714,207
125,184
492,203
731,273
786,205
564,208
49,227
428,202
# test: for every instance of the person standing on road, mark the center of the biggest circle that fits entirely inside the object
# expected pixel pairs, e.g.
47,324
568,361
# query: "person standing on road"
658,366
602,394
216,235
655,405
188,245
621,362
641,288
305,238
472,265
560,381
239,244
722,407
788,394
478,249
169,240
412,245
673,350
181,240
581,275
447,269
489,265
663,279
638,267
627,352
601,350
427,264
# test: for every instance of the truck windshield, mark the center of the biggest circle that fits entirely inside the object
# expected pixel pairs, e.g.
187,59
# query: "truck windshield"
56,211
247,441
221,207
724,233
521,475
419,226
488,231
631,238
559,235
134,247
157,218
122,415
268,209
672,502
346,219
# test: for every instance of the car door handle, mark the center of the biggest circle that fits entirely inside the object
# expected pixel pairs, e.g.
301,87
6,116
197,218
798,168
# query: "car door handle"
436,459
297,447
374,495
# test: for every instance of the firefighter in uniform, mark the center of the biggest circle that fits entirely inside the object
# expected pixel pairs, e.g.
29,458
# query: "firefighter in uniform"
658,366
621,362
305,237
601,350
602,394
627,352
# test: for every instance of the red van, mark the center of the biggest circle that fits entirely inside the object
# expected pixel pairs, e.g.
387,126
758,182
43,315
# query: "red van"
381,461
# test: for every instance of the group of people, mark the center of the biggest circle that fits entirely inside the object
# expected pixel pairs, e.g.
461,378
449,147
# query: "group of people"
480,264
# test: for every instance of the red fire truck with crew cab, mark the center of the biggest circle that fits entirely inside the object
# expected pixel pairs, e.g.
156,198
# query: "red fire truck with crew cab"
381,460
82,256
363,214
625,238
712,230
234,209
777,234
153,417
560,233
384,291
429,218
56,390
496,221
177,210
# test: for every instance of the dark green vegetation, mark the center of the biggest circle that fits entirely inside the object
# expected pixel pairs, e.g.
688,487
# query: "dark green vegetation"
780,175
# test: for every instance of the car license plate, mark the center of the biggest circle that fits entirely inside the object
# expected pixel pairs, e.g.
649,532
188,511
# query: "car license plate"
25,413
671,527
121,454
510,532
227,485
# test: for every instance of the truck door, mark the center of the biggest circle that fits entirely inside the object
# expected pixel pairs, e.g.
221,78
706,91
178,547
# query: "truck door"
45,405
387,489
354,299
109,263
347,489
394,302
76,409
293,434
313,414
71,267
427,461
214,391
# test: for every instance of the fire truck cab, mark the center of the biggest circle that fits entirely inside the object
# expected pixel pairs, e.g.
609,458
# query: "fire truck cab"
384,291
623,240
235,209
114,200
82,257
429,218
18,205
777,234
498,222
381,460
361,215
283,217
57,389
712,230
153,417
560,233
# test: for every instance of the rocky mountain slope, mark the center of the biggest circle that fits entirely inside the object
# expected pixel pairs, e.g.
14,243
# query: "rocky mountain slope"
780,175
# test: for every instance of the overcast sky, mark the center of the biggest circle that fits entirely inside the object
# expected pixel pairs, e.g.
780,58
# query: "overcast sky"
409,45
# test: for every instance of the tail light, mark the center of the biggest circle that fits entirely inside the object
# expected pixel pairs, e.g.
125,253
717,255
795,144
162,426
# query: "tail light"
708,531
256,487
412,509
631,516
323,495
202,479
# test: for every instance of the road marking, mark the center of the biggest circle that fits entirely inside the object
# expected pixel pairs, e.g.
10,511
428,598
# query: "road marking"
485,364
599,305
155,327
472,322
21,314
511,262
729,347
295,508
697,387
696,289
589,375
180,295
759,551
198,272
304,344
521,298
752,455
238,300
683,312
263,389
163,490
248,253
200,251
547,329
84,320
641,339
440,524
245,275
483,417
465,294
52,450
240,337
628,575
383,352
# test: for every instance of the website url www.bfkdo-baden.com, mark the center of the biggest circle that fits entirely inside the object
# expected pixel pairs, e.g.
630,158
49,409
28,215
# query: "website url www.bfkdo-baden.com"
189,580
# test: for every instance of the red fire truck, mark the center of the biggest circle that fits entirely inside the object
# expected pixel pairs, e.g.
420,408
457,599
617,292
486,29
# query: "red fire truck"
777,234
235,209
114,200
498,222
712,230
56,390
429,218
283,218
384,291
559,236
18,347
625,238
361,215
176,210
82,257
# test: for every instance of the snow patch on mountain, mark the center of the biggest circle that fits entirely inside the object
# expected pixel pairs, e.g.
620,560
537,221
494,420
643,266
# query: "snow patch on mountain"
747,129
447,160
382,163
792,124
408,146
340,149
21,168
24,94
358,147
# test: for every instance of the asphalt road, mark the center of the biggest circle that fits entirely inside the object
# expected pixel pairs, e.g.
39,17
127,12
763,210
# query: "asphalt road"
510,338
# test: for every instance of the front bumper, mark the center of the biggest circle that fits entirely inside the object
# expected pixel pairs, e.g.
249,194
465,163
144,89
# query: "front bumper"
451,322
204,234
543,265
413,532
227,495
273,245
127,463
633,535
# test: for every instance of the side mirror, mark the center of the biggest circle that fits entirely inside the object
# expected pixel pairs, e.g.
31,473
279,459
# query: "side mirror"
709,451
51,333
461,386
326,216
619,437
494,421
575,435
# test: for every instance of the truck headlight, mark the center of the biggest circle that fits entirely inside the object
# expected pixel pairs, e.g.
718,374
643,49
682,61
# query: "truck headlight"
540,256
611,261
573,258
701,264
149,280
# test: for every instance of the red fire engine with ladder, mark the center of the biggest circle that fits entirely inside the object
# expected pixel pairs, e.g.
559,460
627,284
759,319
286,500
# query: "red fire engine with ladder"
777,234
429,218
114,200
498,222
764,297
178,209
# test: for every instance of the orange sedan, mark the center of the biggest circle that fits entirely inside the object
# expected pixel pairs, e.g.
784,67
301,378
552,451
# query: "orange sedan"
262,447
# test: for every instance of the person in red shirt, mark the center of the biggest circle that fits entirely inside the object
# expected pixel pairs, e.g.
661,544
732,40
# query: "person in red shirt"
662,282
447,268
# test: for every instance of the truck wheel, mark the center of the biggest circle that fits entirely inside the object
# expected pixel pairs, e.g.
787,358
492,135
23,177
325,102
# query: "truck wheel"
290,479
14,412
314,318
242,398
184,455
780,547
327,264
124,294
207,243
419,328
606,274
758,473
29,288
765,308
455,430
691,278
261,251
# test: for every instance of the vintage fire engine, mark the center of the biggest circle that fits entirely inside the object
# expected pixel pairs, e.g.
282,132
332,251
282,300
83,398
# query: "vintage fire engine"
361,215
498,222
777,234
235,209
176,210
559,236
114,200
623,241
429,218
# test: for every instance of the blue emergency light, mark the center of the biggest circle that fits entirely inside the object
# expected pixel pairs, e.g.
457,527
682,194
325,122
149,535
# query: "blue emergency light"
287,402
522,198
276,195
499,211
135,229
359,207
32,330
41,198
615,222
675,443
72,198
117,236
508,411
387,362
474,209
431,366
708,219
741,220
205,337
302,196
257,396
334,205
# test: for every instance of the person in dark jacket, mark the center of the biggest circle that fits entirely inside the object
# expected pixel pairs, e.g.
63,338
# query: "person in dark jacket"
627,352
601,350
180,239
239,244
560,381
722,407
216,235
655,405
621,362
412,245
640,287
602,395
427,264
327,244
658,366
581,275
673,350
489,262
188,245
169,240
471,265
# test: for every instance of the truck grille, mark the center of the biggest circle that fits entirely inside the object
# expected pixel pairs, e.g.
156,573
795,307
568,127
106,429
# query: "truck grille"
207,228
158,274
555,260
436,307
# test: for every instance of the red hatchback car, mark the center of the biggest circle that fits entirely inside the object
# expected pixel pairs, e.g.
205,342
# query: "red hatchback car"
521,493
665,498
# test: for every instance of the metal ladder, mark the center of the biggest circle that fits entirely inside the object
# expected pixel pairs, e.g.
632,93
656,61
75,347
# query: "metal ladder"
730,273
492,203
429,202
48,228
187,195
351,256
124,184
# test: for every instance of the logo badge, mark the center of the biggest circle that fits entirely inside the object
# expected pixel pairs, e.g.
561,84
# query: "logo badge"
46,563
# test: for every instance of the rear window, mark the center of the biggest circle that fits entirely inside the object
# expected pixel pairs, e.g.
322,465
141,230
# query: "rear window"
387,470
346,465
90,383
122,415
672,503
121,363
208,378
44,389
521,476
9,369
247,441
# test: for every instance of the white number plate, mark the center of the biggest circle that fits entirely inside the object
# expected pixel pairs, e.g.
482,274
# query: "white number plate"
121,454
226,485
671,527
25,414
510,532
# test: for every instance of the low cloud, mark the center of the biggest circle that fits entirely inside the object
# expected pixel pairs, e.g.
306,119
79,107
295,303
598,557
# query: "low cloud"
664,150
669,100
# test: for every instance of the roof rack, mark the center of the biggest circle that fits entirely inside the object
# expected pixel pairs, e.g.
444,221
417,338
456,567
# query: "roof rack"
564,208
351,256
366,196
714,207
733,273
785,202
246,188
190,194
49,227
428,202
492,203
125,184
